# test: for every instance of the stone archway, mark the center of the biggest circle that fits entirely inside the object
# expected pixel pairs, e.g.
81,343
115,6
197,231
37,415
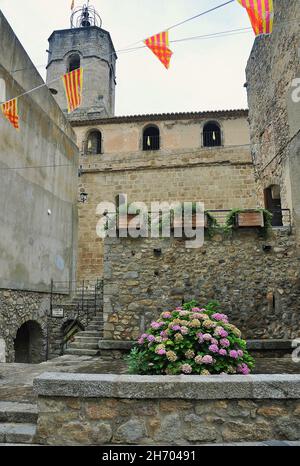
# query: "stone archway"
29,343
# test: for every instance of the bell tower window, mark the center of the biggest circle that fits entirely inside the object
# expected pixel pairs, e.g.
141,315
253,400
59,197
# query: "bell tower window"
74,62
151,138
212,135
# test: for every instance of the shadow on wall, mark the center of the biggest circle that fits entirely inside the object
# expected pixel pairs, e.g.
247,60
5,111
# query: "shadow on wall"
29,343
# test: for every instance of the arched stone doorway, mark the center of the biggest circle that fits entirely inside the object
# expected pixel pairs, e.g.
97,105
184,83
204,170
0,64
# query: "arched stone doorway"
28,344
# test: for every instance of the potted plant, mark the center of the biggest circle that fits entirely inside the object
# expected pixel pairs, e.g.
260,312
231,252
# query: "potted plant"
249,218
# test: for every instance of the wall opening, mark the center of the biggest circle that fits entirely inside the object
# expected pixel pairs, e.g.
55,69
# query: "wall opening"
151,138
28,344
212,135
74,62
273,204
93,144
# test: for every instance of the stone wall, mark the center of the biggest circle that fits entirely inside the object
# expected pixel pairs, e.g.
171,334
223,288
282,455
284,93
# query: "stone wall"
182,170
38,179
159,410
258,288
274,116
19,307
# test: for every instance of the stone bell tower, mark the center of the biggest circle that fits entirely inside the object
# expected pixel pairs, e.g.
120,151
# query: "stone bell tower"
85,44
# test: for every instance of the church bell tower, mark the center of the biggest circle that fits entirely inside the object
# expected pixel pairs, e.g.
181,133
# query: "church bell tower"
89,46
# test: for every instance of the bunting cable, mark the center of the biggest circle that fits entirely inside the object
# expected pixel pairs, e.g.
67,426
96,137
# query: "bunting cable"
168,29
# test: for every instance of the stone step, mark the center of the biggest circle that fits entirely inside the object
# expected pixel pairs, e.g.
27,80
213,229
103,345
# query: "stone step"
82,345
87,339
89,333
94,327
17,433
18,412
82,352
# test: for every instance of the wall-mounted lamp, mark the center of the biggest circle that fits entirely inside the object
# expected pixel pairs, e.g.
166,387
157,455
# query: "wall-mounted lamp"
83,197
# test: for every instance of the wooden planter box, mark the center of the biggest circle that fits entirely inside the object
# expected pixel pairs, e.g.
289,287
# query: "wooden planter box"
250,219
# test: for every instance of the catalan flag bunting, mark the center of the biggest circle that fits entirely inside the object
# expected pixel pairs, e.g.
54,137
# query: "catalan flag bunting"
73,83
159,44
261,14
10,111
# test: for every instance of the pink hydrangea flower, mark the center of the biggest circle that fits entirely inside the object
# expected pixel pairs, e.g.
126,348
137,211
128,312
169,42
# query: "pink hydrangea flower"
151,338
207,359
183,313
213,348
220,317
222,352
175,328
141,341
163,333
200,337
243,369
178,308
195,309
233,354
156,325
221,332
184,330
186,368
240,353
224,342
214,341
207,337
161,351
166,315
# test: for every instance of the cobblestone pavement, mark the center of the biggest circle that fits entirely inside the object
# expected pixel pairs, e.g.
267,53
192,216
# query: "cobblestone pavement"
16,379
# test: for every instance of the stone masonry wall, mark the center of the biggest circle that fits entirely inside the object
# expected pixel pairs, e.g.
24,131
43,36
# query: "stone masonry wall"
75,421
274,117
258,289
222,178
19,307
78,409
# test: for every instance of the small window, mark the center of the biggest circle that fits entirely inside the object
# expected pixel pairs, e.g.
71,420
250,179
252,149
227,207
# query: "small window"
93,143
74,62
151,138
212,135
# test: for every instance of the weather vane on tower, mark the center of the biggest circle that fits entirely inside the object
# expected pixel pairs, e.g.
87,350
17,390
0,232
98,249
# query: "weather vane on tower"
84,16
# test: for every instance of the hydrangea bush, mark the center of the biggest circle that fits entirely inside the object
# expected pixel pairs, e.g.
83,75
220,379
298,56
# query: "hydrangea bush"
190,340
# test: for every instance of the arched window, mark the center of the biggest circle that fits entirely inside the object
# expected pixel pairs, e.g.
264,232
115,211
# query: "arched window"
273,204
151,138
74,62
212,135
93,145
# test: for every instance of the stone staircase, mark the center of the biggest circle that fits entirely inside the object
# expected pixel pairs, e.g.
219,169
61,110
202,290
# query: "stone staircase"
17,422
86,342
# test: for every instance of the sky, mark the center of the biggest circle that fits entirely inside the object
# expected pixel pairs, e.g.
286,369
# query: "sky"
205,74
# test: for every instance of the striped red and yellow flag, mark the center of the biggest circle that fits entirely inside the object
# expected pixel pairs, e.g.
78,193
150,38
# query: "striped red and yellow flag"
10,111
159,44
73,83
261,14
